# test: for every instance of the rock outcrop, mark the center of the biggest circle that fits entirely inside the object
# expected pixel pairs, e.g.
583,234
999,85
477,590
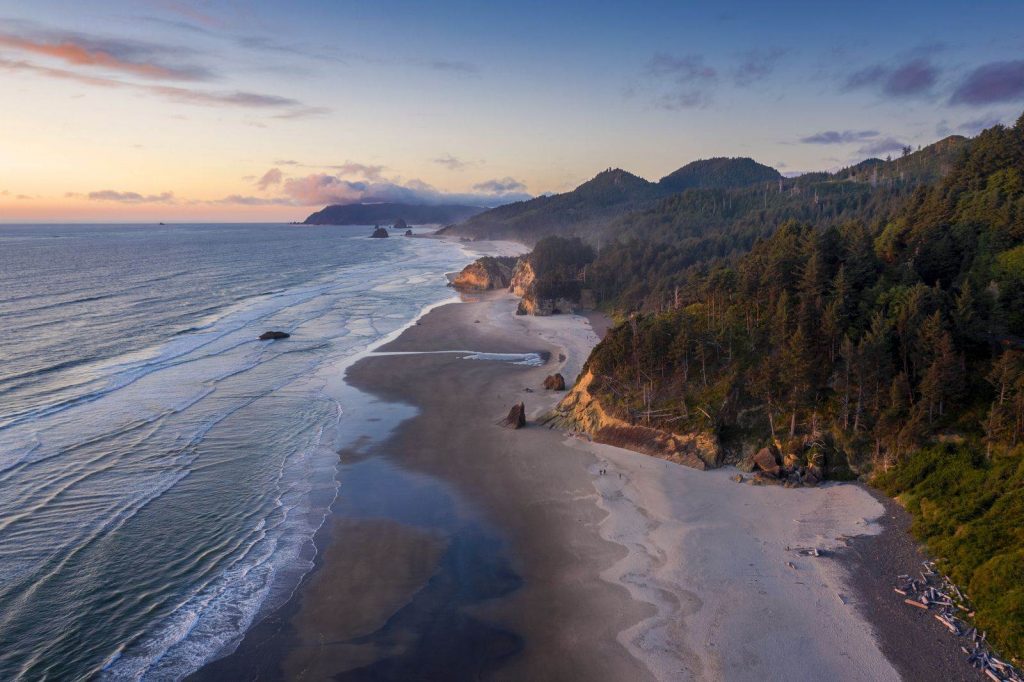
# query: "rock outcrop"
379,233
408,233
583,411
400,224
273,336
522,278
554,382
484,274
516,418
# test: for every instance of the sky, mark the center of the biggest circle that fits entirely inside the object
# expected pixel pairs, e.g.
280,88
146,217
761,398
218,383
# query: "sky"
188,110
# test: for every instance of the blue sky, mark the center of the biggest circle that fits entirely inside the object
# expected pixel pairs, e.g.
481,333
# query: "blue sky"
223,110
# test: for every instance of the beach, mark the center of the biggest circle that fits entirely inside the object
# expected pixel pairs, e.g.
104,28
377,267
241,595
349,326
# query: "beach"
459,549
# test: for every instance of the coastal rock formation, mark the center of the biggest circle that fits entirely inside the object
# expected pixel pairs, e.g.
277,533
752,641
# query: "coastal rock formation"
400,224
408,233
581,410
273,336
554,382
542,307
522,278
379,233
485,274
516,418
767,460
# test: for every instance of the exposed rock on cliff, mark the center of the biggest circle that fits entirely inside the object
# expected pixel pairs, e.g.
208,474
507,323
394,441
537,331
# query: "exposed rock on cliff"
580,409
522,278
485,274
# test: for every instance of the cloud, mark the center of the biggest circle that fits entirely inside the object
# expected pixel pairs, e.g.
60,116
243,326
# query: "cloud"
271,177
975,126
881,146
450,162
756,65
303,112
363,170
242,200
502,186
913,78
991,83
286,162
132,197
839,137
141,59
236,98
325,188
681,82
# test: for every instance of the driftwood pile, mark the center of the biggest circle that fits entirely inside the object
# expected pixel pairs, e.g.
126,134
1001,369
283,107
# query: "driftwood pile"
937,594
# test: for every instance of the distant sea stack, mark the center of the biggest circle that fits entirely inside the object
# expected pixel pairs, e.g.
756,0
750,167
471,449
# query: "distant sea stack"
379,233
399,215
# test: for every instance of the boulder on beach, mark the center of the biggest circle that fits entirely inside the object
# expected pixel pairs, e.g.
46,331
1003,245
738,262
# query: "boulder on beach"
767,461
273,336
379,233
516,418
554,382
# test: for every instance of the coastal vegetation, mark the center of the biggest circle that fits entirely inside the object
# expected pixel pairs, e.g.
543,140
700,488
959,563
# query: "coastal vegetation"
873,317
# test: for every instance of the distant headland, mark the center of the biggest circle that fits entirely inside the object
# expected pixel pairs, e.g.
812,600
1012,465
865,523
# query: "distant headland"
392,214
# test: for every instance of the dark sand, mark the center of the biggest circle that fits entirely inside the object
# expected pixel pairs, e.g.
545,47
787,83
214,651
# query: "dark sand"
918,646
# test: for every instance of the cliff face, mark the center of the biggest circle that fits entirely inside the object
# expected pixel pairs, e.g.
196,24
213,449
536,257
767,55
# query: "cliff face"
522,278
484,274
583,411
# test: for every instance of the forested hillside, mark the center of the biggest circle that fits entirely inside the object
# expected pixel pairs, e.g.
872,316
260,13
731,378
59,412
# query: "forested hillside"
883,320
590,211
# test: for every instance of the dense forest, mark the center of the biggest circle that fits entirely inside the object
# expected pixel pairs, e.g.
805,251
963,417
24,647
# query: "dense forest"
883,319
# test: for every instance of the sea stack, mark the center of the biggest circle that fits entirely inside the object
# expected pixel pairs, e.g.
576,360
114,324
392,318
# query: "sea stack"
379,233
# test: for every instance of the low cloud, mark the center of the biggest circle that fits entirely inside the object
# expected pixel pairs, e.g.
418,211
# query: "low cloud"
271,177
913,78
839,136
141,59
881,146
991,83
450,162
500,186
975,126
243,200
325,188
131,197
756,65
684,82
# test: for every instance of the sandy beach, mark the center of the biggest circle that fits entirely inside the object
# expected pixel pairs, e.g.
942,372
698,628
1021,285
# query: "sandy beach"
462,550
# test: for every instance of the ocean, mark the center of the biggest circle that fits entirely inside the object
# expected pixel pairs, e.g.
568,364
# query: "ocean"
162,471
